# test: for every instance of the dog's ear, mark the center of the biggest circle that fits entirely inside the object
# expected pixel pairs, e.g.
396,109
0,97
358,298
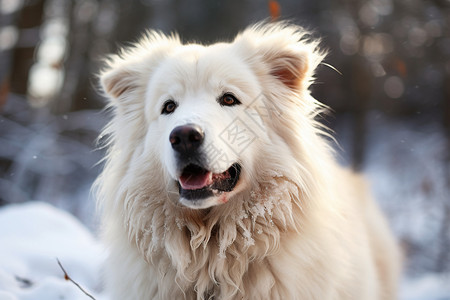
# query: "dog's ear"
288,65
285,52
118,80
133,66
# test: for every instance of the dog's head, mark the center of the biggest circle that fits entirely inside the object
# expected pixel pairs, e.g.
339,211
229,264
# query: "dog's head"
213,118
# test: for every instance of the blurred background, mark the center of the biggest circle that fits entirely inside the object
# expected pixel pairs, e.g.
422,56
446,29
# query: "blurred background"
389,100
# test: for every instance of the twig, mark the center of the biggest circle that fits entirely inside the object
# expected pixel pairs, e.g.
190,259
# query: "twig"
67,277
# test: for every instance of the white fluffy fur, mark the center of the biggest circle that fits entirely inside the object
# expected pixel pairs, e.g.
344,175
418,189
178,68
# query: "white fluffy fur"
297,226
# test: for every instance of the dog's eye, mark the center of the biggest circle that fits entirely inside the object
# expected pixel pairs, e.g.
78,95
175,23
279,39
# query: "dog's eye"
228,100
168,107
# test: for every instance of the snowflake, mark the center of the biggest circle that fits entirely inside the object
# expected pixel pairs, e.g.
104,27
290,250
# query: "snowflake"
180,223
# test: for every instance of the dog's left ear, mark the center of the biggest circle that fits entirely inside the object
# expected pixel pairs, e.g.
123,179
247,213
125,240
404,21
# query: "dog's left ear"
284,51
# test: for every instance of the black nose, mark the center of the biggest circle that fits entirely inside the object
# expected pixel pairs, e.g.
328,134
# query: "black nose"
187,138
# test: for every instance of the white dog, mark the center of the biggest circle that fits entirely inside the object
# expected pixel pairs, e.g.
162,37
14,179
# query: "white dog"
218,183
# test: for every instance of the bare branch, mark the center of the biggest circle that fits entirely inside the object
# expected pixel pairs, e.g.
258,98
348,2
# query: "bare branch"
67,277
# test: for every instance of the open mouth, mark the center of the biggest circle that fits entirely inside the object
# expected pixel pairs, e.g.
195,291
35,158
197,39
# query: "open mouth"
196,182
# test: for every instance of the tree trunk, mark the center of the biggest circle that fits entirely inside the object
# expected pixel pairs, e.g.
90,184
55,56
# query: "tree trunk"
29,23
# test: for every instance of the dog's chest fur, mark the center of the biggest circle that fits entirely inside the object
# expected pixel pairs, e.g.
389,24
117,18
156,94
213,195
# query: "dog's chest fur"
216,252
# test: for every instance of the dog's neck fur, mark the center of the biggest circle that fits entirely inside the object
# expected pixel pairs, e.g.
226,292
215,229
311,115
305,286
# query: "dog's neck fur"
211,250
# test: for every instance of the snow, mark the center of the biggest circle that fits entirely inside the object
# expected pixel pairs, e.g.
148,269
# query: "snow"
428,287
32,236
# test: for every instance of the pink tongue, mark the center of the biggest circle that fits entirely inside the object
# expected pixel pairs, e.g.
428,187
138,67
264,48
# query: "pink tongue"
191,181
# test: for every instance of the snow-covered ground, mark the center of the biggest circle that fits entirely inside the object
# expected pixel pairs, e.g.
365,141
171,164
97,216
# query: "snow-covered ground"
34,235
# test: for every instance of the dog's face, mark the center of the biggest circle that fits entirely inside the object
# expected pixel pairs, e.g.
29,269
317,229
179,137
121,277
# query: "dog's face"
204,111
199,103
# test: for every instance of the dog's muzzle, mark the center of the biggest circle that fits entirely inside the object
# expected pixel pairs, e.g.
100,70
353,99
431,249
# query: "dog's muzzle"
196,181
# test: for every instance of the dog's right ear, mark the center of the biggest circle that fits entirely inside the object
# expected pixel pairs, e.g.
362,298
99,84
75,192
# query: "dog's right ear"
118,80
125,72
